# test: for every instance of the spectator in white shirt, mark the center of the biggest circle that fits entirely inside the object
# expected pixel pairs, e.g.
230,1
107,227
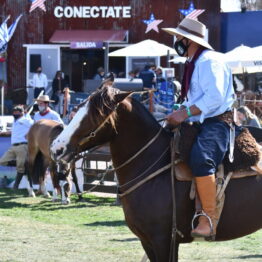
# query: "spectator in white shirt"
45,112
18,151
39,82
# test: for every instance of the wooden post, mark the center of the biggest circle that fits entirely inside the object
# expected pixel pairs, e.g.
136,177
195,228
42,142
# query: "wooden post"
2,99
106,57
66,99
151,101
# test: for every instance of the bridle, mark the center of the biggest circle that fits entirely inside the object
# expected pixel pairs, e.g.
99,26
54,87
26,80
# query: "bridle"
152,140
94,133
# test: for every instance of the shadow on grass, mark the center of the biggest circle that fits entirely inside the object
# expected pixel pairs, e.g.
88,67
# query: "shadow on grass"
249,257
116,223
8,196
87,202
125,240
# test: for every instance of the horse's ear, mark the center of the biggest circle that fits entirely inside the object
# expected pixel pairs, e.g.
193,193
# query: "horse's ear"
121,96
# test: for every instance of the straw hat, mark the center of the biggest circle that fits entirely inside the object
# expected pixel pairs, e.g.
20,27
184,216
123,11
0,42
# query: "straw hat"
191,29
44,98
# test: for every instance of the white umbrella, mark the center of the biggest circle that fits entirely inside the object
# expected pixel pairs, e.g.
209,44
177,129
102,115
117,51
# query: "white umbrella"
244,59
256,64
146,48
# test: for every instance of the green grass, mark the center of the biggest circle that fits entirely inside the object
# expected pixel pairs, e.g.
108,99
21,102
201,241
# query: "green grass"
36,230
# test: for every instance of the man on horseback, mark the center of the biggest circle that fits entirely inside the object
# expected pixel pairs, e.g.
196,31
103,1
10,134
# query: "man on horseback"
208,95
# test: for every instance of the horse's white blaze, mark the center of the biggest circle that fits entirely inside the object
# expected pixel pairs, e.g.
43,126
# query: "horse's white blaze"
63,139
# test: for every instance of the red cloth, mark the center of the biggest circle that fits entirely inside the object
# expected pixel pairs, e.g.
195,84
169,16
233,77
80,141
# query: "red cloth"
44,113
189,69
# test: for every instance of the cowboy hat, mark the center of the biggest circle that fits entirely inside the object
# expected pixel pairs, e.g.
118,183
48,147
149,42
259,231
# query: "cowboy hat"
191,29
44,98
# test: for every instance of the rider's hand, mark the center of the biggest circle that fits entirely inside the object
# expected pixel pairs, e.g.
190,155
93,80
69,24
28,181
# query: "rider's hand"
177,117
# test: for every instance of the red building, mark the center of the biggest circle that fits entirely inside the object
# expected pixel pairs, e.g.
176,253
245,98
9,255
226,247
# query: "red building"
64,37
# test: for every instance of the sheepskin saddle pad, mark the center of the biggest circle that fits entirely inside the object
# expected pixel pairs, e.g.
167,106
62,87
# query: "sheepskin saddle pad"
247,152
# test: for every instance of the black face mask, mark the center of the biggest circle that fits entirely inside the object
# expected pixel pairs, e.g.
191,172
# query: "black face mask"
39,71
180,47
16,116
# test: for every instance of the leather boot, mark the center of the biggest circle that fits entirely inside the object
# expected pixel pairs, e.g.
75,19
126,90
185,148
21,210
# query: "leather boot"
18,179
206,188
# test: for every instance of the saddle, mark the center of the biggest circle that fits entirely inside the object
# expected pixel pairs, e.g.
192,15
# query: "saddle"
247,154
247,162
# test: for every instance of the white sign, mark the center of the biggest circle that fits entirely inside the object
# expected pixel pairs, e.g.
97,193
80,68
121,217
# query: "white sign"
93,11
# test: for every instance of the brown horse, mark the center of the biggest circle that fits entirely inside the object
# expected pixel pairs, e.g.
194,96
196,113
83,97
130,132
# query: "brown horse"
109,116
40,137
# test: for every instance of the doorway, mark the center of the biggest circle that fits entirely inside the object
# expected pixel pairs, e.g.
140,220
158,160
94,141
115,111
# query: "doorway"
79,65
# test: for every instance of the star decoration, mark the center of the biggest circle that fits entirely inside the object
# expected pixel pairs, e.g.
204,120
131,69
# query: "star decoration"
191,12
152,24
37,3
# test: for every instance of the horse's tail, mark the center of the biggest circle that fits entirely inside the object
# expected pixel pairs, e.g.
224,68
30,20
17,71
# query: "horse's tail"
39,168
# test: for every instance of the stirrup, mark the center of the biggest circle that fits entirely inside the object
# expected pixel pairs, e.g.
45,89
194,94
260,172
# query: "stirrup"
212,236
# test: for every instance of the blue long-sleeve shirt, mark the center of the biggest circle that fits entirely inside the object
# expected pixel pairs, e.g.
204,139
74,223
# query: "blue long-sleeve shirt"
211,86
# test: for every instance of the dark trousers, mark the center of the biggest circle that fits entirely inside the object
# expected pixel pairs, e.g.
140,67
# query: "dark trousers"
38,90
210,147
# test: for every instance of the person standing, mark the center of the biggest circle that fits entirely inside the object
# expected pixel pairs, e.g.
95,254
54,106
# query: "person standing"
100,74
18,151
45,112
39,82
208,94
246,117
148,77
58,86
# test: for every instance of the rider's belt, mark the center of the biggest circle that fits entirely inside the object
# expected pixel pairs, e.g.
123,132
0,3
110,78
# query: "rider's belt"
18,144
227,117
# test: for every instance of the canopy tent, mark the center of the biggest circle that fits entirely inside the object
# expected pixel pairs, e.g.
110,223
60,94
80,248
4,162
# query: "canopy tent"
245,59
146,48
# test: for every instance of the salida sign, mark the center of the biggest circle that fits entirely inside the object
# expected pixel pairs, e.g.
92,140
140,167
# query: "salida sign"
84,45
93,11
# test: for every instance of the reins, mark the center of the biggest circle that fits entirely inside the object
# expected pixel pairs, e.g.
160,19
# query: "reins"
141,150
141,175
140,183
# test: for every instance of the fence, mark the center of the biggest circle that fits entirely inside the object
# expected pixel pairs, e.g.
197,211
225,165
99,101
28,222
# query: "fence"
252,100
94,167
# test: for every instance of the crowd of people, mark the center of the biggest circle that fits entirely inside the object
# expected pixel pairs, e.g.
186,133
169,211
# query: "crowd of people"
21,125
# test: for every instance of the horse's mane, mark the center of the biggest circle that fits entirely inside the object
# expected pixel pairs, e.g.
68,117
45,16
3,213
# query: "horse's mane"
102,104
57,130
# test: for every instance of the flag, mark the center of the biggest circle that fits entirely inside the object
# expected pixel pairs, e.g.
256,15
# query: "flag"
7,32
37,3
13,26
194,14
191,12
4,38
